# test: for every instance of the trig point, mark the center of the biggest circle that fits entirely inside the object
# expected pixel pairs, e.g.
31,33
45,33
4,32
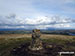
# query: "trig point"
36,43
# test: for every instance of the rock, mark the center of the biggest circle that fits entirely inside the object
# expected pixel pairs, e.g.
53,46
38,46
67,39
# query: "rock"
36,43
49,46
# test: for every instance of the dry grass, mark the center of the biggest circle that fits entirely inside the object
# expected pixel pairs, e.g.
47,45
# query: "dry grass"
14,35
57,36
9,41
42,36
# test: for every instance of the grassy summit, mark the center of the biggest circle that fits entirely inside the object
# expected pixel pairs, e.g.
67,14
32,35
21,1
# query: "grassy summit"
8,42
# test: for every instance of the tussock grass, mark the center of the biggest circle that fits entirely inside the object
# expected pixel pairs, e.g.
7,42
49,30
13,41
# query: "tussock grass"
7,44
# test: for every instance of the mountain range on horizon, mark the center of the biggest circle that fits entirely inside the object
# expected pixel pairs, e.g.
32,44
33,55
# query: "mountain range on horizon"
49,29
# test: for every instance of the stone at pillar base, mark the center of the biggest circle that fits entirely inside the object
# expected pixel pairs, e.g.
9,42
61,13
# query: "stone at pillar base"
35,48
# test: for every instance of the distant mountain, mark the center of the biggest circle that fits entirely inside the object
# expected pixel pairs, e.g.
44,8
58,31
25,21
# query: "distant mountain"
44,31
51,29
48,29
13,29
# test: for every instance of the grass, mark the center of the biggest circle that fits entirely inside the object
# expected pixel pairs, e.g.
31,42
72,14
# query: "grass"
68,45
7,44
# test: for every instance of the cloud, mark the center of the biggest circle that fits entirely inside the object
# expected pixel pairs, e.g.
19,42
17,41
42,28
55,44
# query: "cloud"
20,7
30,14
44,22
34,8
56,7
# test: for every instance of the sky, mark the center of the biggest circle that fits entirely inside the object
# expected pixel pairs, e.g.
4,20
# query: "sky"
37,14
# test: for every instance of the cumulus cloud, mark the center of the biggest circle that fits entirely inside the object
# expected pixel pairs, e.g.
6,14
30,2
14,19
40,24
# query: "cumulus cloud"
43,22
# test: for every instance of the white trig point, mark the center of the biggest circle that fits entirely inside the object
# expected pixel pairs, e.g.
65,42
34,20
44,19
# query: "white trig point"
63,53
